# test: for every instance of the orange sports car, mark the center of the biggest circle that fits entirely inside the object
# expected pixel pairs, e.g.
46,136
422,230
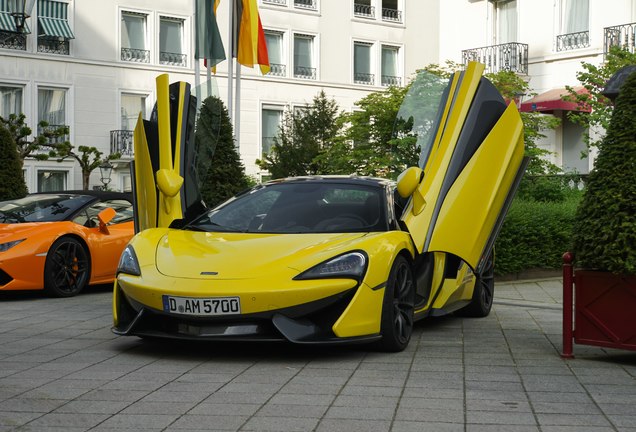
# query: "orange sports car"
62,241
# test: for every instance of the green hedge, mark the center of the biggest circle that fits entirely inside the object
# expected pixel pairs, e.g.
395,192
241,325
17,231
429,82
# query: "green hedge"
535,234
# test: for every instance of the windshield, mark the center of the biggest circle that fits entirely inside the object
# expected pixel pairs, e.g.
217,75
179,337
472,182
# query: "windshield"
420,113
300,207
42,208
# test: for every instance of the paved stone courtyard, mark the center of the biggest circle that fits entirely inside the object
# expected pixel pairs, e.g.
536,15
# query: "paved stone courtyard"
61,369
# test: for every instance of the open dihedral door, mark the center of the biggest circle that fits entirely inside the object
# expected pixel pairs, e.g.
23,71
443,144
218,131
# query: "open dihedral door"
165,187
472,161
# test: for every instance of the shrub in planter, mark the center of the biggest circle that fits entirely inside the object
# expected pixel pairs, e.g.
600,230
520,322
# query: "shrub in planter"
605,224
12,183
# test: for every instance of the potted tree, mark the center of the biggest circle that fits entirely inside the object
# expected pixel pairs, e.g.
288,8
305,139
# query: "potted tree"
604,239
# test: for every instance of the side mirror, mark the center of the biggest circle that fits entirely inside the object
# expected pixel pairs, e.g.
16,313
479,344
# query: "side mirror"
407,185
104,217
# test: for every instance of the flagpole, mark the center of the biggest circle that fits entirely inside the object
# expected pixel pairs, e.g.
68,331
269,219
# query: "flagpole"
230,71
197,70
237,108
209,77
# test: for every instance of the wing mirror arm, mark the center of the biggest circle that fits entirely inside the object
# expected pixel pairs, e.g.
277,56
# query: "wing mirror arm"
104,217
408,186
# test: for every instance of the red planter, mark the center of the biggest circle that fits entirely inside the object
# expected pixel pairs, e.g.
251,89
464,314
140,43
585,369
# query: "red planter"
604,309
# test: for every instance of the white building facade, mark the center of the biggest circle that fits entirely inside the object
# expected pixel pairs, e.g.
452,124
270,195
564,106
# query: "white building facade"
92,65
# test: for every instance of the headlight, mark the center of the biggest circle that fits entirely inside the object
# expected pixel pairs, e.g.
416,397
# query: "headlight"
8,245
349,265
128,262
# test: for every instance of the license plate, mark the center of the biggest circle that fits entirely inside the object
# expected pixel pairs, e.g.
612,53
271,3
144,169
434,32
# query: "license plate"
202,306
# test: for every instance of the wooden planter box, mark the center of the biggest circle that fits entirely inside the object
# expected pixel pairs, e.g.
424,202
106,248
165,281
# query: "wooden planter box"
604,309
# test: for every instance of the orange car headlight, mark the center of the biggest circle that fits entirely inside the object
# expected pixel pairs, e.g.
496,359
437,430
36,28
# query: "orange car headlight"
8,245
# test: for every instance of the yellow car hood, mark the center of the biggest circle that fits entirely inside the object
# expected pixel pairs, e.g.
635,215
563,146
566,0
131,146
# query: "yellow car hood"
218,255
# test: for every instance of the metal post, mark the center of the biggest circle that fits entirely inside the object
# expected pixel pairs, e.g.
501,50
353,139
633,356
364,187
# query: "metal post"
568,299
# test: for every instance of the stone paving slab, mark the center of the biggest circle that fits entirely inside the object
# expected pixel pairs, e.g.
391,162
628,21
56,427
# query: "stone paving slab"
61,369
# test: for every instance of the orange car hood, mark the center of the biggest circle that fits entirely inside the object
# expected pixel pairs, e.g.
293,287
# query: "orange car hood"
9,232
201,255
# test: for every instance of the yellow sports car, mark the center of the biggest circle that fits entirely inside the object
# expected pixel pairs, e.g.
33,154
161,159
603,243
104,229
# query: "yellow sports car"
327,259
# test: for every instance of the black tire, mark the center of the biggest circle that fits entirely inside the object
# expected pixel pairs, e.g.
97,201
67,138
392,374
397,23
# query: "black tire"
67,268
397,307
483,294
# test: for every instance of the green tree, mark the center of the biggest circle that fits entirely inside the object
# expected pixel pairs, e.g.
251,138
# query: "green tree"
604,232
221,172
12,183
20,132
89,158
305,135
594,78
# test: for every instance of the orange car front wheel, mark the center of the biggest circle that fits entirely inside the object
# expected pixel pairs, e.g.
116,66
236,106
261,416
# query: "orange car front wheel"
67,268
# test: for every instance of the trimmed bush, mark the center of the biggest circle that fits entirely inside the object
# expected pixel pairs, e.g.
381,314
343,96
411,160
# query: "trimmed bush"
535,234
12,185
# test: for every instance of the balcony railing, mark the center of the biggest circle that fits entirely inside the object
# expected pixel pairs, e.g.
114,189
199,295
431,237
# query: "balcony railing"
121,141
276,2
10,40
172,59
363,10
135,55
277,69
305,4
304,72
52,140
391,80
363,78
571,41
511,56
53,46
391,15
623,36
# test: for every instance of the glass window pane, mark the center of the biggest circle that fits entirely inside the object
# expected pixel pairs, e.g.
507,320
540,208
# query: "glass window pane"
133,30
362,58
507,21
389,61
577,15
49,181
271,122
10,101
170,35
303,51
52,106
274,47
131,106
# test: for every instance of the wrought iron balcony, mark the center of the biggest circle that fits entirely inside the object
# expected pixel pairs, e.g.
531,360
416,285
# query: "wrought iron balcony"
172,59
52,140
363,10
305,4
304,72
135,55
121,141
363,78
53,45
277,69
10,40
391,15
276,2
391,80
511,56
573,41
623,36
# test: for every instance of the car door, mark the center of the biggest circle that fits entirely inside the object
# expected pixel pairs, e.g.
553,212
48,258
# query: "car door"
165,183
472,159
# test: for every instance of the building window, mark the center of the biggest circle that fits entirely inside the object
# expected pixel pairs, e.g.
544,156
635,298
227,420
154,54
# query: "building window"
575,25
304,57
133,38
51,180
272,117
362,63
391,11
506,21
274,41
9,36
52,110
390,69
121,141
363,8
10,100
306,4
171,50
54,31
